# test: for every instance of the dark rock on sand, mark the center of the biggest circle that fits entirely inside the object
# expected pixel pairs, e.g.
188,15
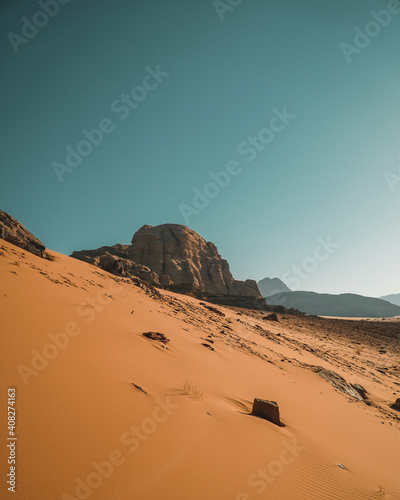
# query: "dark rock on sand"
396,405
271,317
159,337
339,383
268,410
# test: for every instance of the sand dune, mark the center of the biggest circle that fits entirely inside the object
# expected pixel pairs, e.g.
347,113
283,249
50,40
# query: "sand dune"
105,413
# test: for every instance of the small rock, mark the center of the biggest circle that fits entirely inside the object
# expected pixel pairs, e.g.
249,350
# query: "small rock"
138,387
360,389
396,405
159,337
271,317
209,346
341,466
268,410
213,309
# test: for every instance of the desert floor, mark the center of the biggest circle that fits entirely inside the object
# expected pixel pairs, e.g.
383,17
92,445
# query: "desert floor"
105,413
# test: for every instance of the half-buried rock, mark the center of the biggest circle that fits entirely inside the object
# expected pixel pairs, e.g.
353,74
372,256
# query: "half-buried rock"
396,405
159,337
268,410
360,389
271,317
340,383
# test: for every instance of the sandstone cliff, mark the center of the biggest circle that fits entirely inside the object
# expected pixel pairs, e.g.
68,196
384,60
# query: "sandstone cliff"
174,256
14,232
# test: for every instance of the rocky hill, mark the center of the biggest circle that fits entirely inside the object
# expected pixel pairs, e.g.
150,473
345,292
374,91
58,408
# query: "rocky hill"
271,286
393,299
344,305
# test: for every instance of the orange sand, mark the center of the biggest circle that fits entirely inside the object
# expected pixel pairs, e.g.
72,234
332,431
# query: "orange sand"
189,435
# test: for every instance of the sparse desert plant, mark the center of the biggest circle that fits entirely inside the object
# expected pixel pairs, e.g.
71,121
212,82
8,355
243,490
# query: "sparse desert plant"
358,351
189,390
381,491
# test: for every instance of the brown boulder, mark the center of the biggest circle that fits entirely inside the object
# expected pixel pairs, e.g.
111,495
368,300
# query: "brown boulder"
14,232
159,337
271,317
396,405
361,390
268,410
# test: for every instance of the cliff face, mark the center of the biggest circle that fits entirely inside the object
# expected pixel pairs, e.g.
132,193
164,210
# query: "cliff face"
14,232
180,253
174,256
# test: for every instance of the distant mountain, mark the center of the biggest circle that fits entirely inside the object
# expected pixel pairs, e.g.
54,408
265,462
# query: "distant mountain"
271,286
393,299
344,305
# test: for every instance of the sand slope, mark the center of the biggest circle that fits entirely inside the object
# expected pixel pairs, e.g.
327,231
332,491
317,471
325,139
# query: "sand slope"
184,431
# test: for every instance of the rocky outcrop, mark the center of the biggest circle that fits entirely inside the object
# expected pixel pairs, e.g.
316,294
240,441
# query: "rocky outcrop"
14,232
119,266
180,253
340,383
173,256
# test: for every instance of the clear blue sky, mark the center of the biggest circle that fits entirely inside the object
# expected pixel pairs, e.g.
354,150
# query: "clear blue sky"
323,175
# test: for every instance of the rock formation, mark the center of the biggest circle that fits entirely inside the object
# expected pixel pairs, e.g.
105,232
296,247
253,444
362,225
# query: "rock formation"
114,260
340,383
268,410
175,257
396,405
14,232
271,317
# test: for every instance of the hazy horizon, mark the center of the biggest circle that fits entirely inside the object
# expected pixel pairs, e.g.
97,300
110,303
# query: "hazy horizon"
207,86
